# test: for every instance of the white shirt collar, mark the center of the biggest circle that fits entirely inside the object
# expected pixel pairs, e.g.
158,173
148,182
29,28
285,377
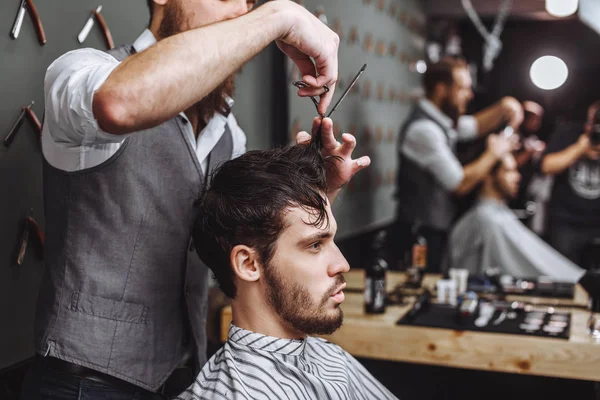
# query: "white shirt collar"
436,113
144,41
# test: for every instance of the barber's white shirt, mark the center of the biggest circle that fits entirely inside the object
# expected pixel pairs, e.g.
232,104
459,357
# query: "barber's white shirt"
427,146
72,139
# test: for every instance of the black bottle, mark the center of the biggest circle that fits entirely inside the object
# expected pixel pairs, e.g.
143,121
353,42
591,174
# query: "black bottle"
375,277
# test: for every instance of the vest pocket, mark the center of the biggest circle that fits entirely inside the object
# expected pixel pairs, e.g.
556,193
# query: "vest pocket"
102,307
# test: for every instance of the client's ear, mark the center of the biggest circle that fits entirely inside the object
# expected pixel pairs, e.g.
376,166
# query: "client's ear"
245,263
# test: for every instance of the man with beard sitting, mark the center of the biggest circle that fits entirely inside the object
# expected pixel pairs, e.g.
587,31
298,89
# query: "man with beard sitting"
269,234
430,176
129,139
490,234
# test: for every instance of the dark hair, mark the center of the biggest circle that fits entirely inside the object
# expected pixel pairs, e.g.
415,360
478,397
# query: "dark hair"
441,72
247,201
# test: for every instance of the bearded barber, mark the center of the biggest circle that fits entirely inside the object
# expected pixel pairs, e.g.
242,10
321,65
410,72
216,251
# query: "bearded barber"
430,175
130,137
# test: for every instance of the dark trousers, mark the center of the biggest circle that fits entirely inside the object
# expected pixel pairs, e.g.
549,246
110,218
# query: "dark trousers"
43,383
402,239
570,240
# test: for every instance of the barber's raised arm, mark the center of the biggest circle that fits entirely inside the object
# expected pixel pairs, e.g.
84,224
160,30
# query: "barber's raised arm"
475,172
556,163
507,110
169,77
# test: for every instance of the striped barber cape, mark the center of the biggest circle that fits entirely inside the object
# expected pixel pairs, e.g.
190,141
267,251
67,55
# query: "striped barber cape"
254,366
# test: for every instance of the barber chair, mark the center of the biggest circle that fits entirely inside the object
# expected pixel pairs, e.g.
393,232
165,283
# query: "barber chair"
590,255
526,213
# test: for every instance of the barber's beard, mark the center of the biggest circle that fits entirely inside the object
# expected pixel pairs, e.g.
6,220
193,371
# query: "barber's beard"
294,305
215,101
450,110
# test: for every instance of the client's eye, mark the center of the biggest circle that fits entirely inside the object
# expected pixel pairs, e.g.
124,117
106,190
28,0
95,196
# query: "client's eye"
316,246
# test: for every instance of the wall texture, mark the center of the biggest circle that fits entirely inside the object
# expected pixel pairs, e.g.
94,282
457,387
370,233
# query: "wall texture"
388,35
23,63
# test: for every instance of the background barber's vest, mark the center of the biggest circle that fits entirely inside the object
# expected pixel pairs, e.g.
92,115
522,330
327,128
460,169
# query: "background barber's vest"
114,294
420,197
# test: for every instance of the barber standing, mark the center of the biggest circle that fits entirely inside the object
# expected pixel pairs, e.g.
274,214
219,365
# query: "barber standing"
129,140
430,175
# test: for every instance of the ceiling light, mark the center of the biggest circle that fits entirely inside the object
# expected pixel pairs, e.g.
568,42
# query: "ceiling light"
561,8
549,72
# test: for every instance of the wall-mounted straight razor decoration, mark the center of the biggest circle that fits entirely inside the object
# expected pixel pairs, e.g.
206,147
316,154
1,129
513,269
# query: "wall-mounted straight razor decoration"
27,5
25,112
90,24
30,226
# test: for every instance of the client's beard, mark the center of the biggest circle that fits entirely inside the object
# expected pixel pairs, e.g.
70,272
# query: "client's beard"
215,101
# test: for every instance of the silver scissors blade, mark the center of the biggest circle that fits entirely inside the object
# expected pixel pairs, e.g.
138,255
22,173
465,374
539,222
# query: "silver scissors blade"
364,67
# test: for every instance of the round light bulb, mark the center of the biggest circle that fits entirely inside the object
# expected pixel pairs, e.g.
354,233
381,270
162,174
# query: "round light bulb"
549,72
561,8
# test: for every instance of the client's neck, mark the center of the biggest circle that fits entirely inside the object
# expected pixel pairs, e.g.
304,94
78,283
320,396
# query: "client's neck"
489,192
255,314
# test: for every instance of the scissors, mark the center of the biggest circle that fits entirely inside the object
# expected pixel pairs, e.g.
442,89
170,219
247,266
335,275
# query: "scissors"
301,84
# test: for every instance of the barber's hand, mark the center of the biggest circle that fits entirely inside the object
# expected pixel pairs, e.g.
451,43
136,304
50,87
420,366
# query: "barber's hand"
513,111
499,146
593,153
307,37
341,172
534,145
585,147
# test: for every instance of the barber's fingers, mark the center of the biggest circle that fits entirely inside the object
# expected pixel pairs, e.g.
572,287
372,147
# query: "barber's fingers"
316,124
327,137
362,162
308,38
514,142
348,145
312,91
303,137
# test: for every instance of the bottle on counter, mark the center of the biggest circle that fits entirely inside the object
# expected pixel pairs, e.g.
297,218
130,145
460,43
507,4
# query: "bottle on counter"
375,277
418,262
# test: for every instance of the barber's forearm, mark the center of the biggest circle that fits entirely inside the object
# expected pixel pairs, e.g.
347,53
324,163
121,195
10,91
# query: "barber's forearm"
489,118
157,84
556,163
475,172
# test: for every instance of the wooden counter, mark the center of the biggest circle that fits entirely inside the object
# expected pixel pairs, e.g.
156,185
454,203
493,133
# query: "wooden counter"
356,281
378,337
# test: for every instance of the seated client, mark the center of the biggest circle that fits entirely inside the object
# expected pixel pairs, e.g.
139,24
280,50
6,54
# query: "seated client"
267,231
490,235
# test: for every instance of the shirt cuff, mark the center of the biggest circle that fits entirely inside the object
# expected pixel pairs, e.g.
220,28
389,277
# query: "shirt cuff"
467,127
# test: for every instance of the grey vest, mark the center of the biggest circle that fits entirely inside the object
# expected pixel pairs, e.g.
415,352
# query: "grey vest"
116,289
420,197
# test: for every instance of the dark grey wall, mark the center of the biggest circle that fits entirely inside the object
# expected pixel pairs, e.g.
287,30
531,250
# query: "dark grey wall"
23,63
367,202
